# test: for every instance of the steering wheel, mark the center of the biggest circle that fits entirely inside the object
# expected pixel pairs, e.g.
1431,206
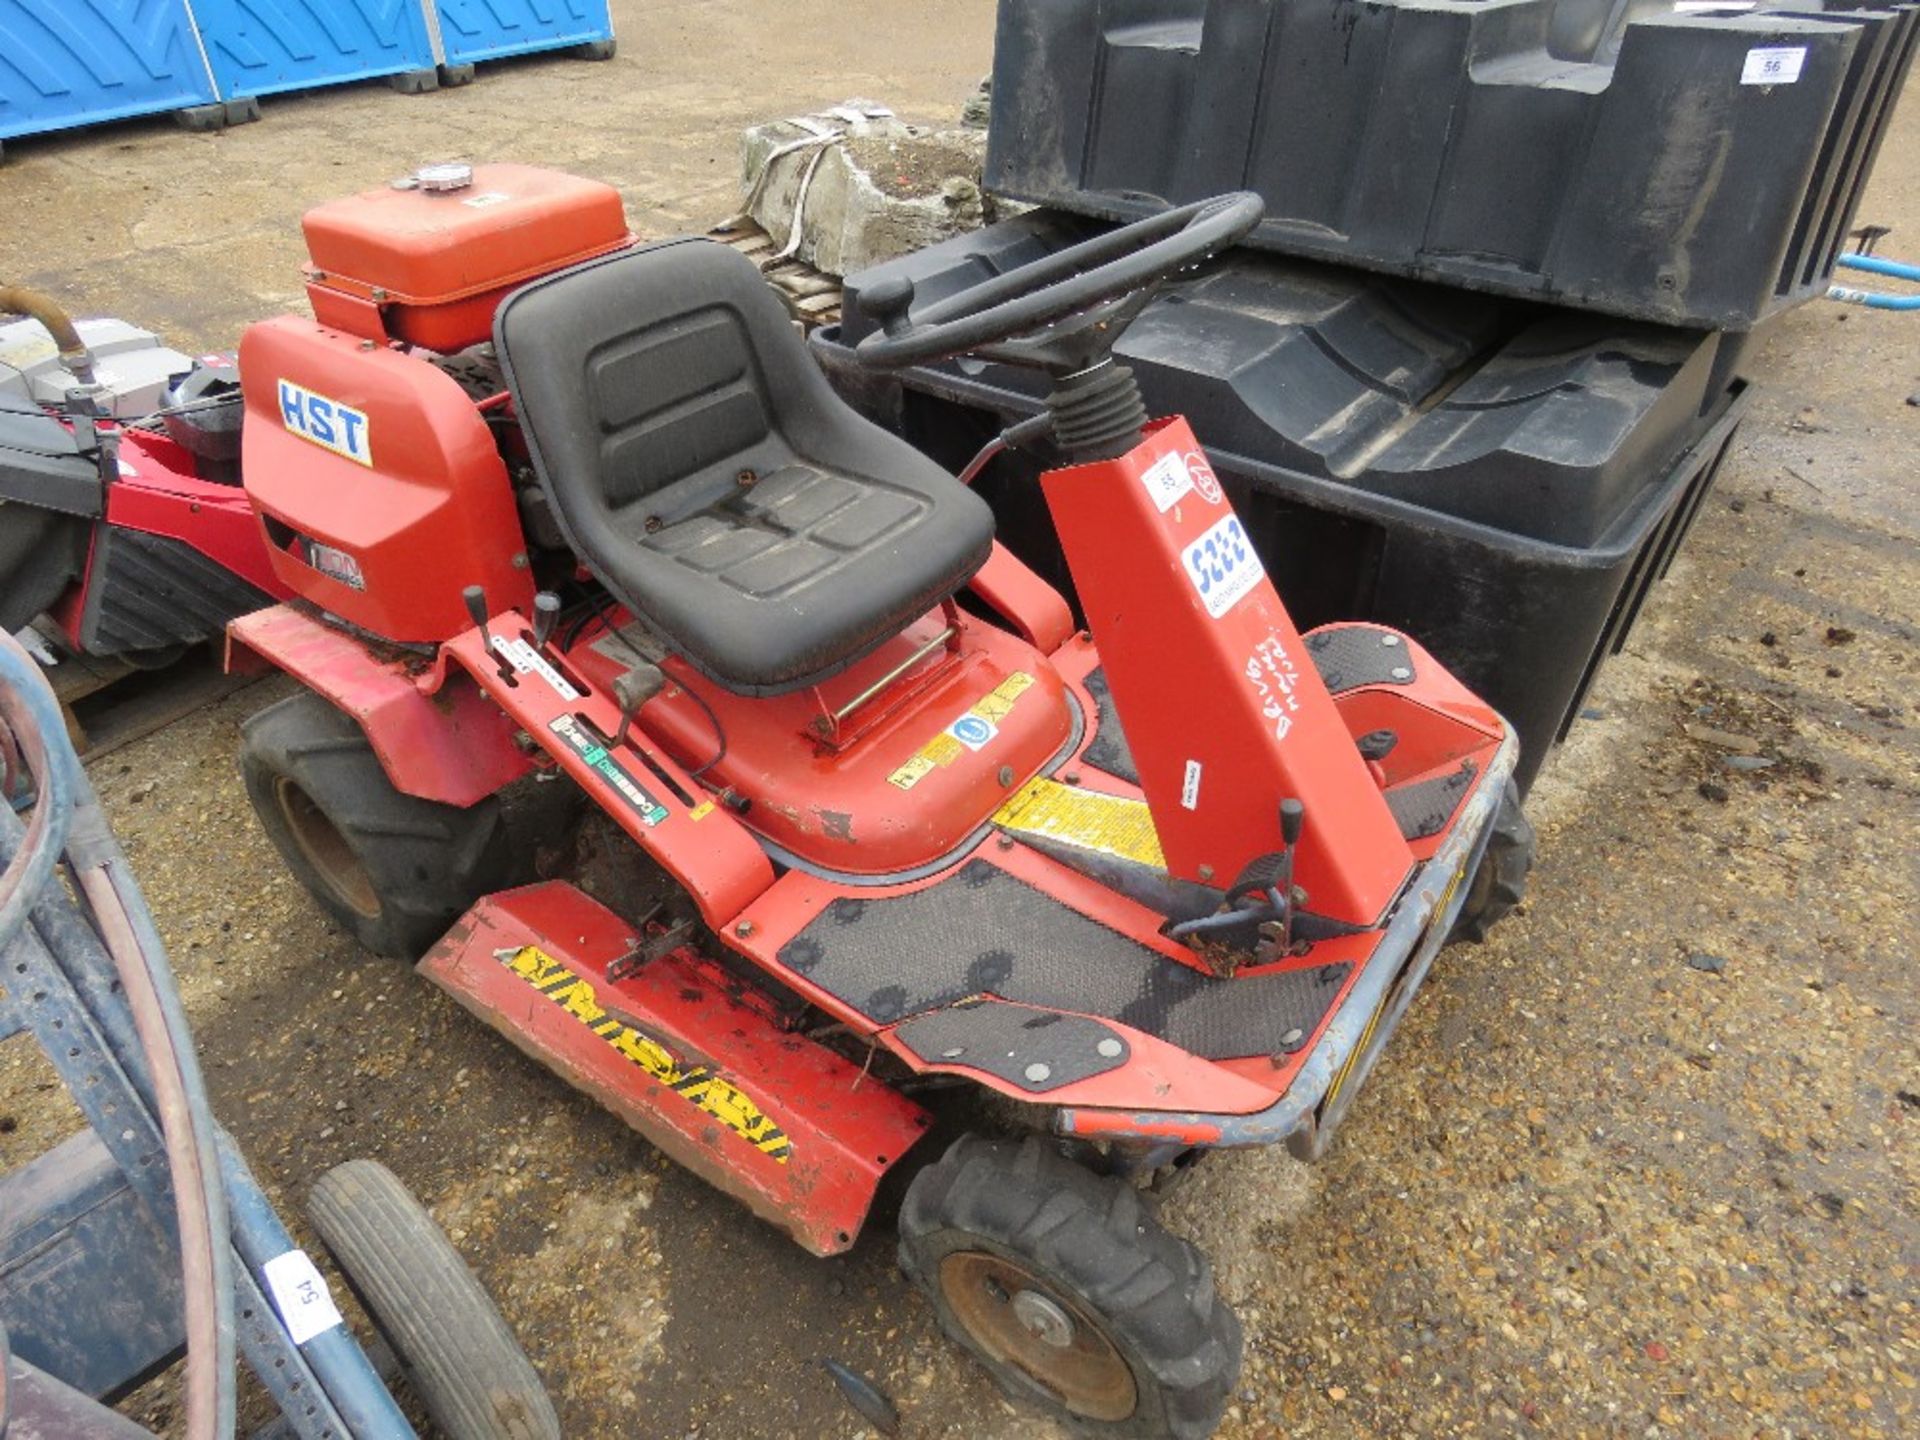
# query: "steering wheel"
1103,282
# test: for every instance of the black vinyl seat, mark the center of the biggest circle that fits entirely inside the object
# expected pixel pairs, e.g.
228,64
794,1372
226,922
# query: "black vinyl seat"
703,469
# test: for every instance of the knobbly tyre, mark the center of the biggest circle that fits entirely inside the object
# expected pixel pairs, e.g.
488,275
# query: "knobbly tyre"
561,508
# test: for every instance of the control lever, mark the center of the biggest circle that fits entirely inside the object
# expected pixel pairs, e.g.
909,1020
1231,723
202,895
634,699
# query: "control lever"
475,598
631,690
1264,893
546,614
888,300
1293,821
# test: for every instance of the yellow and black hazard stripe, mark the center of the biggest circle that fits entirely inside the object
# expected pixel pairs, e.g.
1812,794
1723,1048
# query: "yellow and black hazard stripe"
699,1086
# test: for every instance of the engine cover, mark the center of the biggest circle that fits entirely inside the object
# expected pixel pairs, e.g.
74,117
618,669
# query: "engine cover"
380,491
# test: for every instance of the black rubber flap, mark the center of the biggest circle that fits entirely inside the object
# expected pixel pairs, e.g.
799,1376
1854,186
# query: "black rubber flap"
1038,1050
1423,808
1350,656
148,592
984,931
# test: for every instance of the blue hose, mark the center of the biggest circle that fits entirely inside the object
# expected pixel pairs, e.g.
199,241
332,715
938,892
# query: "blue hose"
29,711
1877,299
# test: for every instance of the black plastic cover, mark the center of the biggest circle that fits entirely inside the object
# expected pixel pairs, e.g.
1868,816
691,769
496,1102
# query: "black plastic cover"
1695,169
1500,480
152,592
44,464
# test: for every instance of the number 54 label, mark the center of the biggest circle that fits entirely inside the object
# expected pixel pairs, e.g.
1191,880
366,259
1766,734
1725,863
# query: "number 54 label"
1222,566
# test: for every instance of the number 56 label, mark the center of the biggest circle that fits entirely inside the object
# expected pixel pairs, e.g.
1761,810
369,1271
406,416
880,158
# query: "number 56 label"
1222,566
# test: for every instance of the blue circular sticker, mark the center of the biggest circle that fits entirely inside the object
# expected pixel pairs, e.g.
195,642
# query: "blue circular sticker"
972,730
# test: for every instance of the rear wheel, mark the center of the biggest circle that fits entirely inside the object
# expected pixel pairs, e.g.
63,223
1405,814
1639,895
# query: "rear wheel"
1069,1292
392,868
1501,881
456,1350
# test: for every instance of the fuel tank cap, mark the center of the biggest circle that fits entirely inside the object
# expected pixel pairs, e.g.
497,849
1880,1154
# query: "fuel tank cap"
437,179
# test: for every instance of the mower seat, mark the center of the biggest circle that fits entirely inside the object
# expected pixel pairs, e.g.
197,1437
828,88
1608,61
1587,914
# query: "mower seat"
701,467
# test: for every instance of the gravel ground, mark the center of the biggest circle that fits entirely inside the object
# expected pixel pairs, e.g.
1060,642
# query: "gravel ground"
1639,1166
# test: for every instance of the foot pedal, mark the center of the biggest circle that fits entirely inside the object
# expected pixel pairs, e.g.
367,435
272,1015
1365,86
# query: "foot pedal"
786,1126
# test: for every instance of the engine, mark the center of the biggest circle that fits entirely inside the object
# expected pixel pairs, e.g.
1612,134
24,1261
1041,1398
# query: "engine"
379,448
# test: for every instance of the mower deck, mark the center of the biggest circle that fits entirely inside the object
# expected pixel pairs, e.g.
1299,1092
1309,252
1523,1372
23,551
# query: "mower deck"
684,1055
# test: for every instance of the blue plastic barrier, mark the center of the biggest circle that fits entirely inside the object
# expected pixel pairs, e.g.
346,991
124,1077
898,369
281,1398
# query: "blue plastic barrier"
258,47
76,62
472,30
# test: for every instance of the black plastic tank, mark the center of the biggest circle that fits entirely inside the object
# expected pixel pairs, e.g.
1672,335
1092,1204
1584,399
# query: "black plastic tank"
1501,480
1687,164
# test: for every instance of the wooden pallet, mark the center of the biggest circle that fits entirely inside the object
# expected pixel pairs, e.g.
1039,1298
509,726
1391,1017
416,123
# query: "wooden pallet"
812,296
108,702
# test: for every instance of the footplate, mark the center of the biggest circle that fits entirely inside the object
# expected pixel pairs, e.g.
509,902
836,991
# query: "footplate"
782,1124
1344,1053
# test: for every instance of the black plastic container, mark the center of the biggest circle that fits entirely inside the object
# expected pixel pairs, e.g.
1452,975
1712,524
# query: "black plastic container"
1694,169
1503,481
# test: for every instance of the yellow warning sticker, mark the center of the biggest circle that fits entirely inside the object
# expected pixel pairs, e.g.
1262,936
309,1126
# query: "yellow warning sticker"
697,1085
972,731
1111,825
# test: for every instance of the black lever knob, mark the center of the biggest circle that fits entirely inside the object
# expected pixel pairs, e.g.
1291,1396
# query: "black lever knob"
475,599
546,614
1293,819
632,689
888,300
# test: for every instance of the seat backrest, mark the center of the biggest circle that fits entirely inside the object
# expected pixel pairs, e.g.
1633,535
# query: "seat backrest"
701,466
673,399
668,368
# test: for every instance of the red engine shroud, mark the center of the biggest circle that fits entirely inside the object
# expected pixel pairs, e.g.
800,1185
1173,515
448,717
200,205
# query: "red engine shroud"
383,505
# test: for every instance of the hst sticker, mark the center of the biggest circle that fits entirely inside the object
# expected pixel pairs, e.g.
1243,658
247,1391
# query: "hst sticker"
1222,565
327,423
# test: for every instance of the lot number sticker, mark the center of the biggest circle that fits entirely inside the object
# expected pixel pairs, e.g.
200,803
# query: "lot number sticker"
1773,65
1167,479
301,1296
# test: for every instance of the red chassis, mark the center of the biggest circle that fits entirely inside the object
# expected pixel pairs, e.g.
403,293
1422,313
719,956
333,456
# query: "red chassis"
840,828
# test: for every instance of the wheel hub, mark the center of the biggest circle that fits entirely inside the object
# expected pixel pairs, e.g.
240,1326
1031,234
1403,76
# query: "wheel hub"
1043,1319
1019,1319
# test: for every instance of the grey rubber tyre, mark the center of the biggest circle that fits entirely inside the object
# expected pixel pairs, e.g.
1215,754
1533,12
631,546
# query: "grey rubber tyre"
41,553
1069,1292
1501,881
394,869
457,1353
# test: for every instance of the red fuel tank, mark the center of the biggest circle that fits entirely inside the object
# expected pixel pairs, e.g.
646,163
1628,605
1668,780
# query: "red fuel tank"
427,259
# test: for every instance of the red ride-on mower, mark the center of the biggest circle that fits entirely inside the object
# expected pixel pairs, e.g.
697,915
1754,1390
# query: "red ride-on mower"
1167,883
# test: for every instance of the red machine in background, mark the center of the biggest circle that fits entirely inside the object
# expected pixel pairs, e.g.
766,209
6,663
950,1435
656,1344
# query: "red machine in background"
119,478
1168,881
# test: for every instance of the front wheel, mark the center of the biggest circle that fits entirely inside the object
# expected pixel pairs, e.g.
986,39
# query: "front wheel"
1069,1292
392,868
1501,881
